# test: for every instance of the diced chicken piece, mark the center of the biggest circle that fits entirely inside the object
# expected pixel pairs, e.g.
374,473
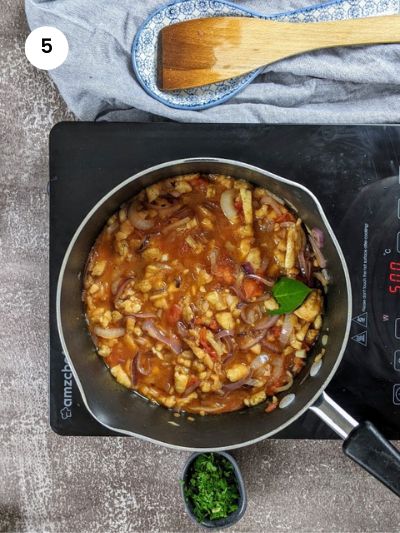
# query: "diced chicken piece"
225,320
218,346
104,350
181,402
197,247
211,191
121,376
217,300
256,398
244,247
169,401
191,224
183,186
271,304
262,212
99,267
153,192
237,372
198,352
203,277
130,343
300,335
144,285
129,306
247,205
181,378
294,243
254,257
152,254
311,308
245,231
207,224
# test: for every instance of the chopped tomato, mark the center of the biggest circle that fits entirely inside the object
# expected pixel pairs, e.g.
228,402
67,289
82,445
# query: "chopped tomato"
285,217
204,344
276,331
213,325
238,205
271,407
224,273
173,314
199,182
252,288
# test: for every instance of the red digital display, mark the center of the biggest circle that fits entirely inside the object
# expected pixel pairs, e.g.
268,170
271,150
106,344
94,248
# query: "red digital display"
394,277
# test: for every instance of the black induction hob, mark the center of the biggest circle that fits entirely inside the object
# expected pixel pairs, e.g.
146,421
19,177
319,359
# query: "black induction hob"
353,170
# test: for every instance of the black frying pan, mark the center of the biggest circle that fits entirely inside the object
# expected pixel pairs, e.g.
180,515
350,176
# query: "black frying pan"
126,412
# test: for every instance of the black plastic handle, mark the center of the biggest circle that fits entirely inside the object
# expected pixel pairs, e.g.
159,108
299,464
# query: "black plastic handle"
367,447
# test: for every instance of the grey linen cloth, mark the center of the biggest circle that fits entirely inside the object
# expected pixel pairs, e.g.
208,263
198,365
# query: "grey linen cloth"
358,85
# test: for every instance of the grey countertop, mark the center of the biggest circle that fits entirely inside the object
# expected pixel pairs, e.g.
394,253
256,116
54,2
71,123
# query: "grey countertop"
51,483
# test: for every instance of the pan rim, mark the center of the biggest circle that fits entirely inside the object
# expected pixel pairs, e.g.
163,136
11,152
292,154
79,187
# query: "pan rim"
239,164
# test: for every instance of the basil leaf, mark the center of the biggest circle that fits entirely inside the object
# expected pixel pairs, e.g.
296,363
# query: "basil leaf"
290,294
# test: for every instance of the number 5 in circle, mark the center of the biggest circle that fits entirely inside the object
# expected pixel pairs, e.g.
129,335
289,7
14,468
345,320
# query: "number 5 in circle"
46,46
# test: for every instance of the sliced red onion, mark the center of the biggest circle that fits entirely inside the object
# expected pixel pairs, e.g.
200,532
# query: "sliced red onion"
247,268
210,205
139,219
263,298
318,236
122,287
133,373
252,382
174,343
115,285
268,282
182,329
251,341
143,244
227,205
229,346
271,347
109,333
191,387
176,224
286,224
264,264
235,386
143,364
224,333
304,264
213,256
287,385
286,330
267,322
239,293
141,315
250,314
267,200
317,252
112,227
259,361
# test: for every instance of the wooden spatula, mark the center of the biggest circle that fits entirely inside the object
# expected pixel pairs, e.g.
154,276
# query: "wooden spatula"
203,51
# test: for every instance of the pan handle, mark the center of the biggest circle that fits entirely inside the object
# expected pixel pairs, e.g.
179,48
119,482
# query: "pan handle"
362,442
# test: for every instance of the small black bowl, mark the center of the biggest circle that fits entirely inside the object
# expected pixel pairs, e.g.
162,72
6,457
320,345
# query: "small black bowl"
233,517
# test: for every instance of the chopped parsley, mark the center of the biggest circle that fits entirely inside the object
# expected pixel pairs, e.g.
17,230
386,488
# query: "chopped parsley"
211,487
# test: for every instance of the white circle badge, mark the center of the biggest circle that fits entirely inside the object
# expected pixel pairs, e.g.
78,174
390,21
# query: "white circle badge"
46,48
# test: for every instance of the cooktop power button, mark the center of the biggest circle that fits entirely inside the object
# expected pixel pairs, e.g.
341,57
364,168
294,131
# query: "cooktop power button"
397,328
396,360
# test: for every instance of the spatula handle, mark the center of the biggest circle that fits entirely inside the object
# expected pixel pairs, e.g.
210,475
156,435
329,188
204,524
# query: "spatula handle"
372,30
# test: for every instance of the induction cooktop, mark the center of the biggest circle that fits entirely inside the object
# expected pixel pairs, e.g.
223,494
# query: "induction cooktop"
353,170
